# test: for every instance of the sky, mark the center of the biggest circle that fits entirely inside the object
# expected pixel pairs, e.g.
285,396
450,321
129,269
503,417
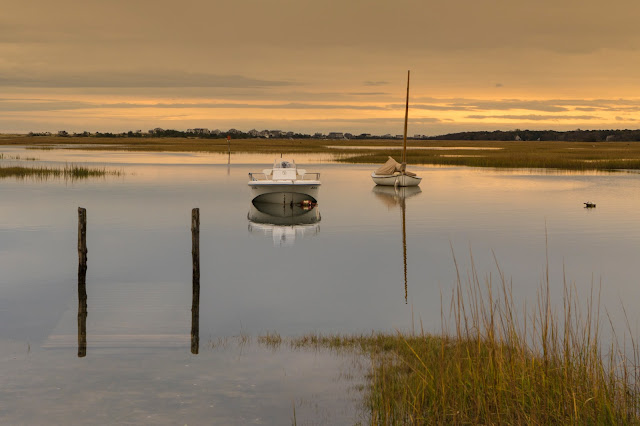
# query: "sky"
319,66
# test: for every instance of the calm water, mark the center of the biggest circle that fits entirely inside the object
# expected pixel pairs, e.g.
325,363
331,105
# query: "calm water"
342,274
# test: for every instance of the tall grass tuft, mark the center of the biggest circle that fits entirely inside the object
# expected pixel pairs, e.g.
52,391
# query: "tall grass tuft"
69,171
495,364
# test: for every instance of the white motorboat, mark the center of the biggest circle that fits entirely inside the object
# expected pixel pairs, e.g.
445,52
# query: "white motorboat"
284,184
393,173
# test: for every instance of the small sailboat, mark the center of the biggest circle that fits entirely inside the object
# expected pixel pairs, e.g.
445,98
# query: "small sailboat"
393,173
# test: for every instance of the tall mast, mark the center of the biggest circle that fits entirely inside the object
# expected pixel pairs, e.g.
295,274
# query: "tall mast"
406,117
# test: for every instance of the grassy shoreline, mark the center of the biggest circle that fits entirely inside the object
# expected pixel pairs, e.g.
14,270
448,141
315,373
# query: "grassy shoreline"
496,361
492,369
494,154
69,171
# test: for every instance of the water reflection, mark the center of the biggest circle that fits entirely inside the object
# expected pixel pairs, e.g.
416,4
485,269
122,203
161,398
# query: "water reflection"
195,280
391,197
284,222
82,282
82,287
82,310
195,318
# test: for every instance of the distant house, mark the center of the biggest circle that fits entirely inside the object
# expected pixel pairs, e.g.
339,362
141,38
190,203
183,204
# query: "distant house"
610,138
318,135
518,138
335,135
199,131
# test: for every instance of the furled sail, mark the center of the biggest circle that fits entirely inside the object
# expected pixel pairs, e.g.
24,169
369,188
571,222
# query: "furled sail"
391,167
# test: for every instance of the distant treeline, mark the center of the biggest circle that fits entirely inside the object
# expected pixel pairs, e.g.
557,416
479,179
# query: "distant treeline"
496,135
170,133
545,135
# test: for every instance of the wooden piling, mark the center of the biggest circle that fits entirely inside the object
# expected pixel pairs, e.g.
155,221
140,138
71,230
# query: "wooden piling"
82,236
195,301
82,283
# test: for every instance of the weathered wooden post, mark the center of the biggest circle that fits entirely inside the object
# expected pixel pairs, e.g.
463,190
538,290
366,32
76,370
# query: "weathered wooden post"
195,301
82,236
82,283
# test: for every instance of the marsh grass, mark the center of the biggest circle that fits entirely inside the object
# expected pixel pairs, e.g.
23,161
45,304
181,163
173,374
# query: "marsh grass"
512,154
16,157
495,363
69,171
491,365
533,155
41,147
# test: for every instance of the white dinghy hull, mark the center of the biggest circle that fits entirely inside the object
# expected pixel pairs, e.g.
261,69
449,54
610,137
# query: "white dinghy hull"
395,180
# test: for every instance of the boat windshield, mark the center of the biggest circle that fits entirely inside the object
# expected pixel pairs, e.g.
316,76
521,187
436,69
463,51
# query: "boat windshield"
284,164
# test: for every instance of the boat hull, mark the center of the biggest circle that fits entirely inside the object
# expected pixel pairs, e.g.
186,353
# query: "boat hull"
282,215
396,180
284,193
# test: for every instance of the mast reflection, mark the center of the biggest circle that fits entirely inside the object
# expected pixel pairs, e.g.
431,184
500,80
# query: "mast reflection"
284,221
394,196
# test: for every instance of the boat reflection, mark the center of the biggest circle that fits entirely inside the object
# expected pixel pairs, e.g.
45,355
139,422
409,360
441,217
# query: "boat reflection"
392,196
284,221
396,196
